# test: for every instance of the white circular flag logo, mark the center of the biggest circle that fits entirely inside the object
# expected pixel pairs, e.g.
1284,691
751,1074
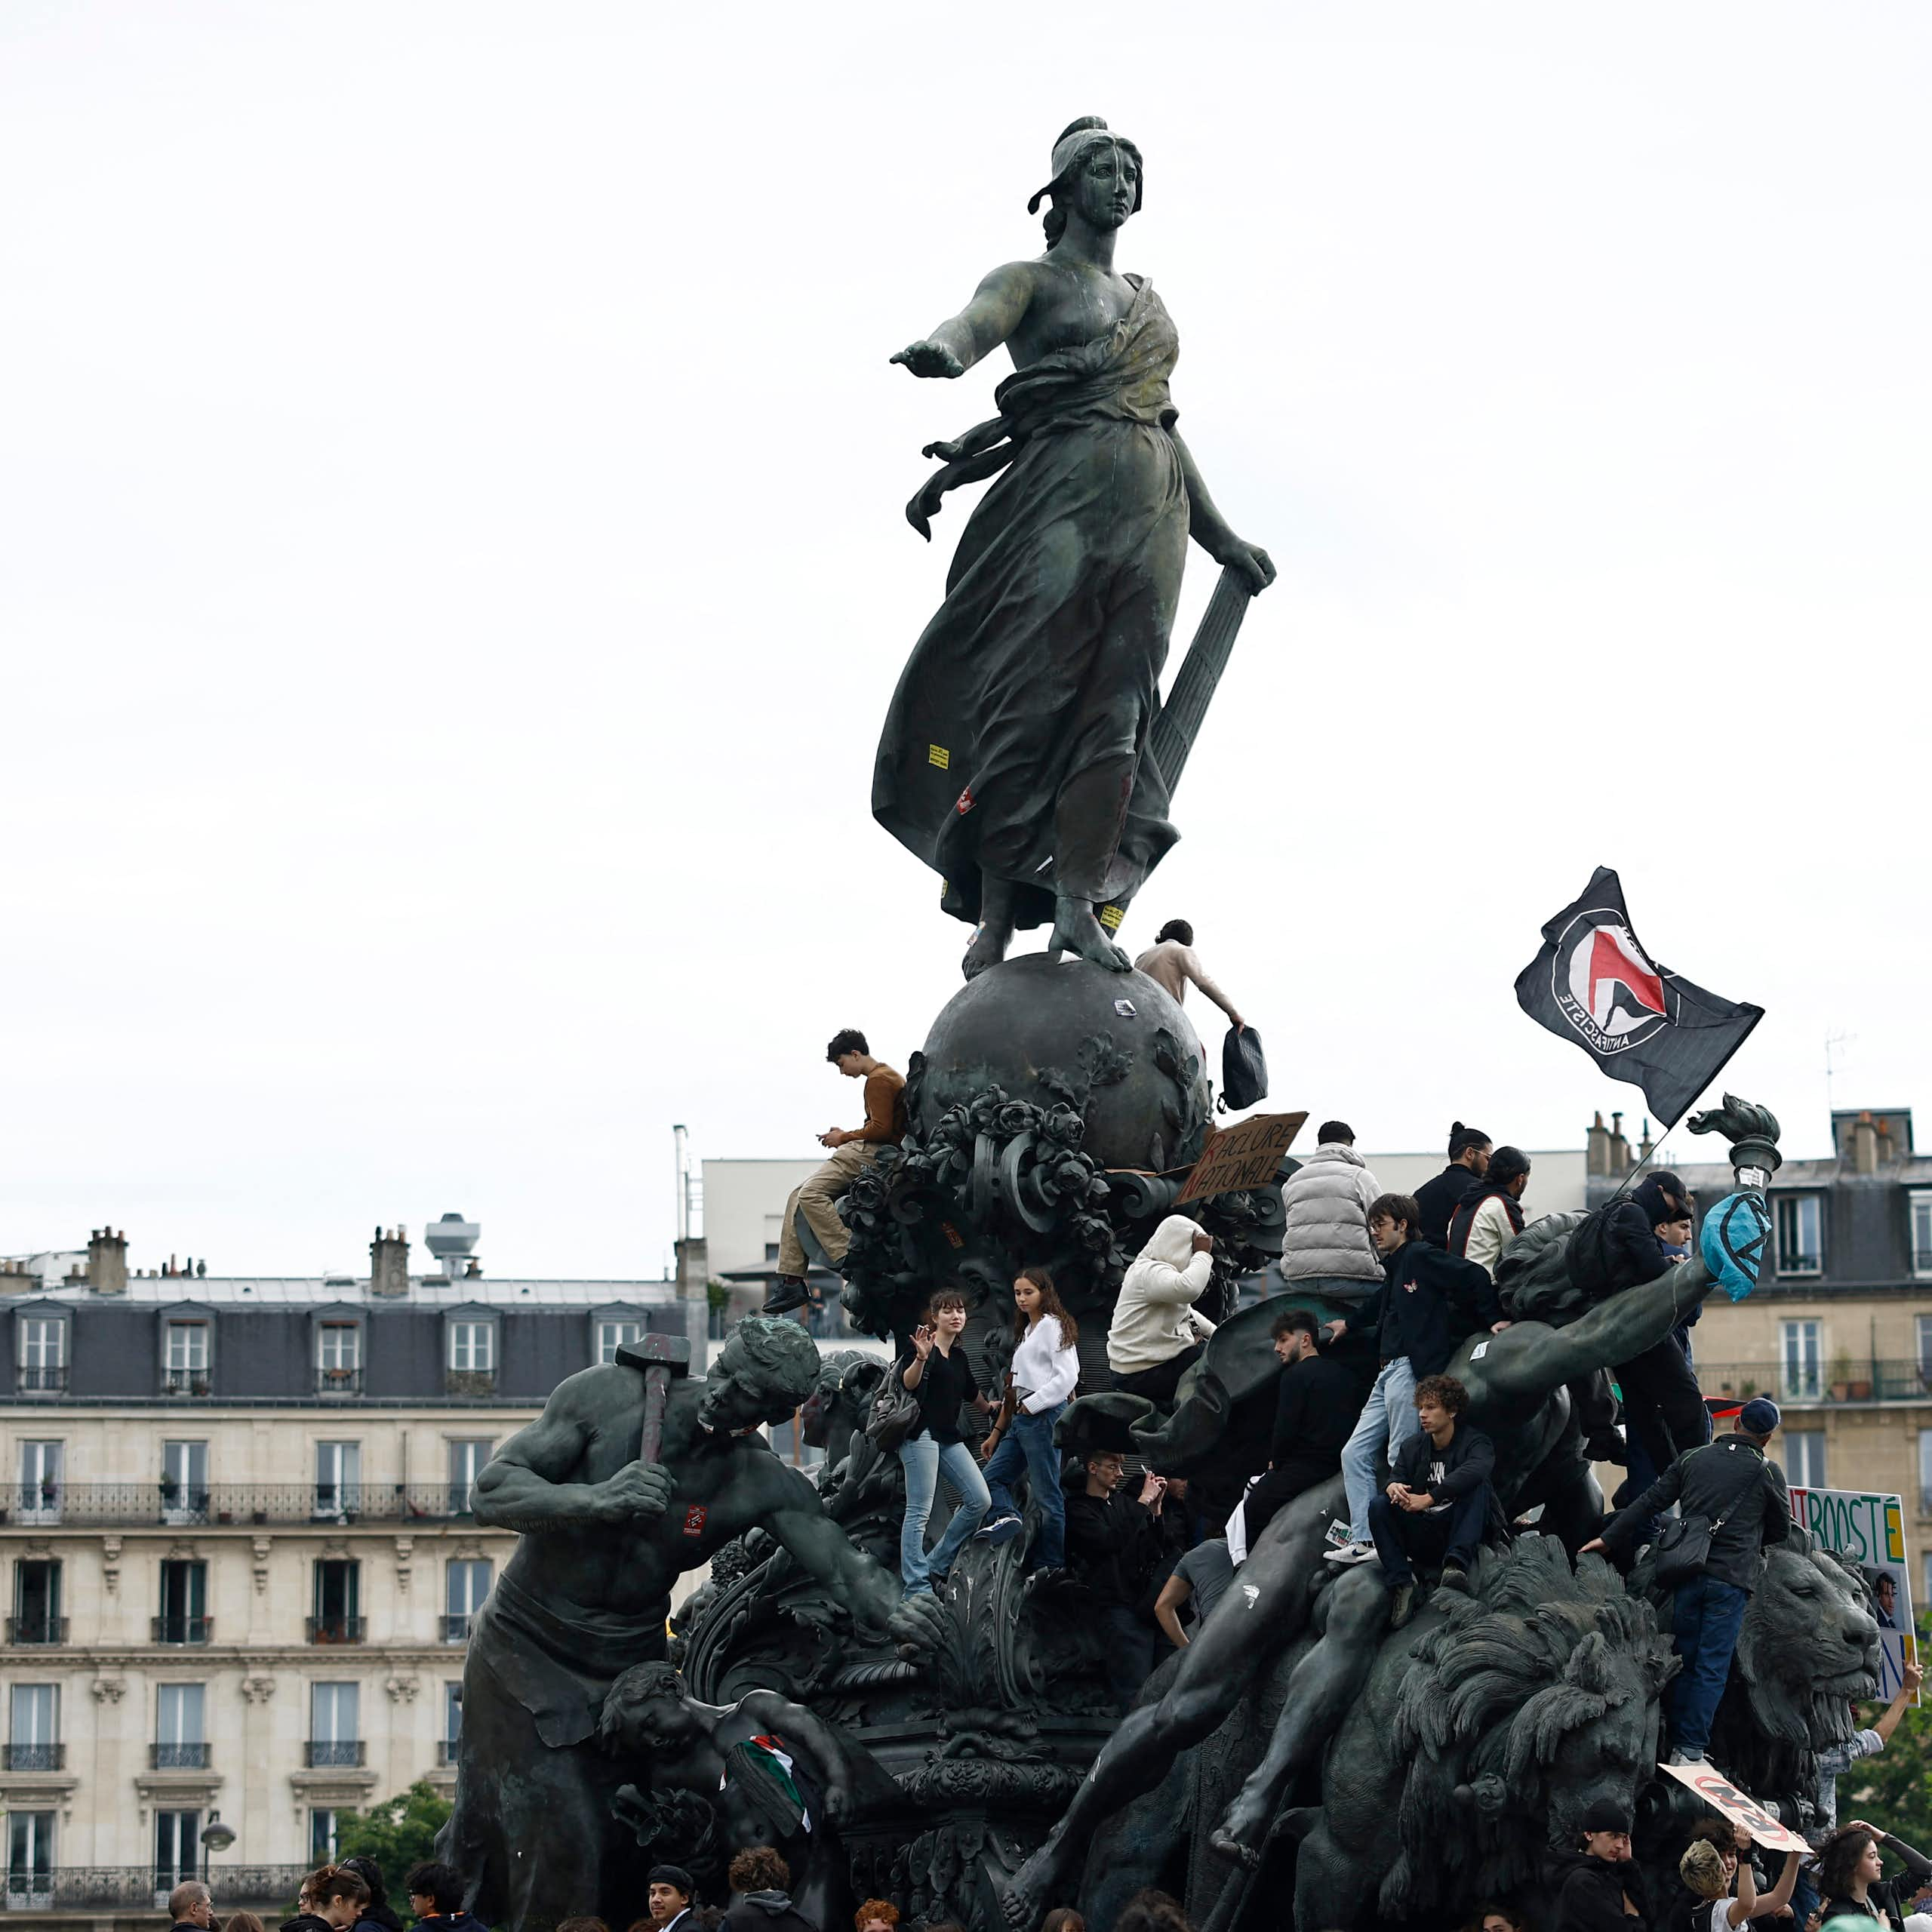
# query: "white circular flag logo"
1605,986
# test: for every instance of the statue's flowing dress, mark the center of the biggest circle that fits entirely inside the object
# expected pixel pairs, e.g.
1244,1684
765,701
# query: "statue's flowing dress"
1016,747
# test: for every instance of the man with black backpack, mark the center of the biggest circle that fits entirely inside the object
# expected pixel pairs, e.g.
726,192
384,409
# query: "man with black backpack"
1729,1494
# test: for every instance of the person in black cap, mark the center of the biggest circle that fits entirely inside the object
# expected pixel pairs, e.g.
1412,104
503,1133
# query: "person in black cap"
670,1896
1603,1891
1734,1486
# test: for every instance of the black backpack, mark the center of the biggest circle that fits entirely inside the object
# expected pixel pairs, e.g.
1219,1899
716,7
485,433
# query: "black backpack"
1244,1070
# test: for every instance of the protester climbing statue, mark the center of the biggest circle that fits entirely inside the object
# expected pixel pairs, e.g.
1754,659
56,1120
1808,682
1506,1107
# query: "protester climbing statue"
1020,759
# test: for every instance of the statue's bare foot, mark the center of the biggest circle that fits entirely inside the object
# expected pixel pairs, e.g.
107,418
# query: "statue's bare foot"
1223,1844
991,938
1076,931
1023,1899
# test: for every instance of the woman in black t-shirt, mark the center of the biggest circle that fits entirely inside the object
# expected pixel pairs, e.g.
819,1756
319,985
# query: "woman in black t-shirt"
1851,1875
936,1370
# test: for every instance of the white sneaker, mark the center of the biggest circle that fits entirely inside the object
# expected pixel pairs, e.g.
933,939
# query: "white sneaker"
1352,1553
1685,1758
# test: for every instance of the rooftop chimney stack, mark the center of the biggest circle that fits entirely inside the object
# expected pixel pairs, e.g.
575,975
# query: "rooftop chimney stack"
389,1263
1864,1146
107,1261
1596,1147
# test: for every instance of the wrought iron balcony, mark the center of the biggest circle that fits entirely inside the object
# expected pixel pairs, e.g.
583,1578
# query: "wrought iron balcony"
336,1753
1864,1379
36,1756
339,1381
176,1629
178,1757
133,1505
36,1629
337,1629
44,1380
144,1888
187,1381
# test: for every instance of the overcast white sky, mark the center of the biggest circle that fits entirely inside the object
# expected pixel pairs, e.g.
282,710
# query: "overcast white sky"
452,566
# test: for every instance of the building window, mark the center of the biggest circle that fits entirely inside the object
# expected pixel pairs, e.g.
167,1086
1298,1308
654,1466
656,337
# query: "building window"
338,1478
184,1482
36,1617
30,1860
1920,1207
1801,1243
322,1837
1924,1326
467,1457
40,1482
181,1739
43,1352
184,1617
1804,1349
466,1584
187,1358
335,1725
177,1848
453,1712
338,1617
472,1348
33,1728
1802,1455
612,1336
339,1358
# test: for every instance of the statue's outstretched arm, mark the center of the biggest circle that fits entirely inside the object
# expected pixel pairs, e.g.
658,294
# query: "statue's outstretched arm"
795,1516
997,309
1526,1362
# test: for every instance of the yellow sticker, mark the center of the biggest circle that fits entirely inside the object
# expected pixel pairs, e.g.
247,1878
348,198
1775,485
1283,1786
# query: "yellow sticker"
938,754
1110,916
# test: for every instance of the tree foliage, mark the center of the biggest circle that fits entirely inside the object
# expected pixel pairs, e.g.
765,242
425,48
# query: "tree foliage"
1894,1789
397,1834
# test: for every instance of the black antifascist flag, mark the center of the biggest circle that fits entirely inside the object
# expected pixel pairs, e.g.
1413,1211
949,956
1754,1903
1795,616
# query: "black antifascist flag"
1593,983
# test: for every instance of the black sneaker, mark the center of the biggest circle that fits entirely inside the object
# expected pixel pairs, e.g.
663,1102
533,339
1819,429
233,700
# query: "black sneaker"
1401,1605
1453,1577
787,1292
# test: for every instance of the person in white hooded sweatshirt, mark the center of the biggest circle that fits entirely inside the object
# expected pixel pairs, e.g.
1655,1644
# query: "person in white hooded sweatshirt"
1324,1242
1157,1332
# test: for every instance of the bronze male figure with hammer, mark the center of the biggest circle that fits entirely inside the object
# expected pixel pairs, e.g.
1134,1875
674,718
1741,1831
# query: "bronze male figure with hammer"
626,1479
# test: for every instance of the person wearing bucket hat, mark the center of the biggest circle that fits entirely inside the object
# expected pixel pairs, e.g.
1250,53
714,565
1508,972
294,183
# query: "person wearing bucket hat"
1735,1488
1014,760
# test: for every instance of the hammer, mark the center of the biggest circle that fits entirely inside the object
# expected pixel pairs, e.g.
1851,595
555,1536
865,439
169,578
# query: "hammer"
660,1356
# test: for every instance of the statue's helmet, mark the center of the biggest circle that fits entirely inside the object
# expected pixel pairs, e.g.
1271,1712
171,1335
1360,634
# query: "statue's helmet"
1089,132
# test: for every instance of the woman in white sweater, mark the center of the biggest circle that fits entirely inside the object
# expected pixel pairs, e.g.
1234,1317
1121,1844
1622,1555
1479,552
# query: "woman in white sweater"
1045,1367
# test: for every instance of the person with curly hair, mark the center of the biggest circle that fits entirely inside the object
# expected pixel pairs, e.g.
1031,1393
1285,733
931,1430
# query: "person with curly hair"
1441,1502
1709,1870
1151,1911
760,1899
876,1915
1851,1875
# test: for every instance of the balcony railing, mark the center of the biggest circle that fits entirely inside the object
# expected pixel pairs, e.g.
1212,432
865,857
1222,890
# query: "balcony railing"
178,1757
187,1381
183,1629
336,1629
37,1629
45,1380
142,1888
335,1753
1867,1378
338,1381
132,1505
36,1756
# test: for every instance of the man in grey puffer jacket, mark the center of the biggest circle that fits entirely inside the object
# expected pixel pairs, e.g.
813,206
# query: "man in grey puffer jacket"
1325,1243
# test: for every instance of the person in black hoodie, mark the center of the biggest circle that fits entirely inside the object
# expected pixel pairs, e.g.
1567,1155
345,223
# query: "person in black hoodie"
1428,1301
1317,1401
1439,1198
378,1916
1601,1890
435,1897
1114,1541
759,1900
331,1899
1441,1503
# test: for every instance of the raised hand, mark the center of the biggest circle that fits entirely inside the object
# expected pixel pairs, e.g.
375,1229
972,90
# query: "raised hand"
931,358
638,1489
922,1342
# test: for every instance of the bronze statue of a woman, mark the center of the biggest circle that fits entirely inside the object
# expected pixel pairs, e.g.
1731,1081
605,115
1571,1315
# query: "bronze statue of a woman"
1014,759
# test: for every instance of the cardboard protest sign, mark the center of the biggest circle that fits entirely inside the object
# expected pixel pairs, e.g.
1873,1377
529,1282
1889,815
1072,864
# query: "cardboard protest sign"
1865,1528
1721,1795
1241,1157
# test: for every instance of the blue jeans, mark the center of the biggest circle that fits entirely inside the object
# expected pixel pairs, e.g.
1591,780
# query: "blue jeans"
1388,1419
1029,1439
926,1462
1705,1618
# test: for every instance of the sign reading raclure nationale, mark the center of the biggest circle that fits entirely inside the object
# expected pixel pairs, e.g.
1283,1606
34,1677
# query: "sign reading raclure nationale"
1241,1157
